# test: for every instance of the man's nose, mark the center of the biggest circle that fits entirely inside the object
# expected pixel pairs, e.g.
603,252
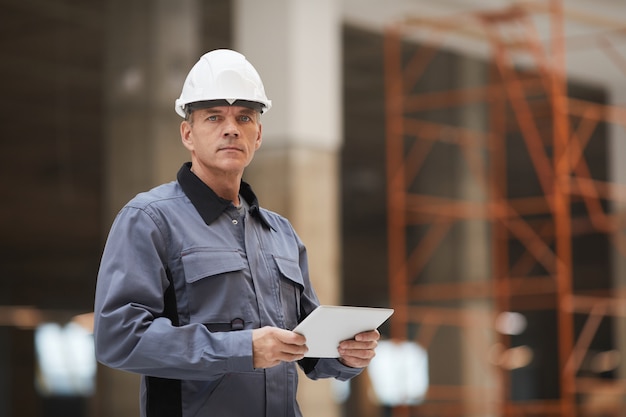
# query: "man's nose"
230,127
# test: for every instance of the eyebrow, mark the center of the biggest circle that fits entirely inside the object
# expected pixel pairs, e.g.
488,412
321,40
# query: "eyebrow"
244,110
247,111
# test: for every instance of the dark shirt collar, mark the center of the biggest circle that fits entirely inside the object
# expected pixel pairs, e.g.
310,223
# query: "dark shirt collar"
208,204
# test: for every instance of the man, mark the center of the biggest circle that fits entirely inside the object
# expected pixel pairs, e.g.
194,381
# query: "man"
199,287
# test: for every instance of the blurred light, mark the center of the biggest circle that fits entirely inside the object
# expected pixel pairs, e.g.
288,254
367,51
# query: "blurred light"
66,360
399,373
512,358
23,317
85,321
341,390
605,361
132,80
510,323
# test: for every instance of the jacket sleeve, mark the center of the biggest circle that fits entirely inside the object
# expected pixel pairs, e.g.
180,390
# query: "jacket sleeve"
328,368
131,331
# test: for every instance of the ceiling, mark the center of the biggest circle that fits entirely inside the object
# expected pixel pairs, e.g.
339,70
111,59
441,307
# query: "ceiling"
595,30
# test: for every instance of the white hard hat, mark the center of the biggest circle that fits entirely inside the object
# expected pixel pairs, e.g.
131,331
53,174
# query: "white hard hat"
220,75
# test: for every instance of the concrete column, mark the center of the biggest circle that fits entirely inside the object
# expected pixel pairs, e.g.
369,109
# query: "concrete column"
295,46
150,46
617,174
474,253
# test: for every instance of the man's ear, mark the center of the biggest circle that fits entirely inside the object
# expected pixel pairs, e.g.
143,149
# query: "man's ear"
259,138
185,134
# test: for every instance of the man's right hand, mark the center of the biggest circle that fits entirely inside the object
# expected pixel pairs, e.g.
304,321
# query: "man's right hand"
271,346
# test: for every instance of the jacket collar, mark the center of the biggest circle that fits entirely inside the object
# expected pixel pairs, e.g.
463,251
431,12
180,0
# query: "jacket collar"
208,204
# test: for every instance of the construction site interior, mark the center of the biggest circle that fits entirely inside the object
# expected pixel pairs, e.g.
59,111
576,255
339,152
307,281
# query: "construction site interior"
461,161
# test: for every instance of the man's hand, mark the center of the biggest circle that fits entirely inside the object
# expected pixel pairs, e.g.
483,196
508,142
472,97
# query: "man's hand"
271,346
358,353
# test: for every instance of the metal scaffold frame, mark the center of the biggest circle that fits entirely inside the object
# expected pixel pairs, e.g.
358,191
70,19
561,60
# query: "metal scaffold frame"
563,175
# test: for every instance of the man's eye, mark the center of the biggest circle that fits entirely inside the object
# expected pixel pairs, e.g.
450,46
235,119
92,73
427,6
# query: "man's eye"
212,118
245,118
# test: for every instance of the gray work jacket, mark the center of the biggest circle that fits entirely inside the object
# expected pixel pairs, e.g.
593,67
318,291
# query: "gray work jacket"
184,279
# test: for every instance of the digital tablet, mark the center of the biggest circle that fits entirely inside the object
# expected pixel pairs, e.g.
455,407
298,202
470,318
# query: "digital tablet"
327,326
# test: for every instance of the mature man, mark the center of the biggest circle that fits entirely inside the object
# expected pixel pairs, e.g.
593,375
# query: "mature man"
199,287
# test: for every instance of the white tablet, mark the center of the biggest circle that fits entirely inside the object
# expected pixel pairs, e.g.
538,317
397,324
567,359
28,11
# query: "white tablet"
327,326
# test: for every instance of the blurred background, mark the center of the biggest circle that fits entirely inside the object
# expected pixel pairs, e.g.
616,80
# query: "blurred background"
460,161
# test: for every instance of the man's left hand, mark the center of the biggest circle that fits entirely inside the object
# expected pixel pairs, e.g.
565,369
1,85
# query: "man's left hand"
358,352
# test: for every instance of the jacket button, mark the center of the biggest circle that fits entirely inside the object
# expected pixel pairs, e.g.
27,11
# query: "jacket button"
236,324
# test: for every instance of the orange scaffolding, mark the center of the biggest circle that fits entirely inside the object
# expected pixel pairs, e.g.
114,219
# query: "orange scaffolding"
543,224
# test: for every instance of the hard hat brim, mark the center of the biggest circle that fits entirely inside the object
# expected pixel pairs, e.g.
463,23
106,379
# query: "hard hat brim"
217,103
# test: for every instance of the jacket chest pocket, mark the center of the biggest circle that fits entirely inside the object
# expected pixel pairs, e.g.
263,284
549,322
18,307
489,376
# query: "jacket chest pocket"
219,289
291,287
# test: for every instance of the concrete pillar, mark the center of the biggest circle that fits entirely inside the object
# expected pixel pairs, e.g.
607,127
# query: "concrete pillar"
474,253
150,46
617,174
295,46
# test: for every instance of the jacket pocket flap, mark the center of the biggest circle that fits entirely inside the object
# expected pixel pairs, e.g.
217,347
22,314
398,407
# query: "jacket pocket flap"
207,262
290,269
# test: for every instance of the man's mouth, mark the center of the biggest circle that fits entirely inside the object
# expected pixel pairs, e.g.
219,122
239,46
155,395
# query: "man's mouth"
230,148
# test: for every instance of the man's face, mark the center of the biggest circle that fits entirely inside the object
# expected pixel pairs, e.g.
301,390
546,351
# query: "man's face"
222,140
